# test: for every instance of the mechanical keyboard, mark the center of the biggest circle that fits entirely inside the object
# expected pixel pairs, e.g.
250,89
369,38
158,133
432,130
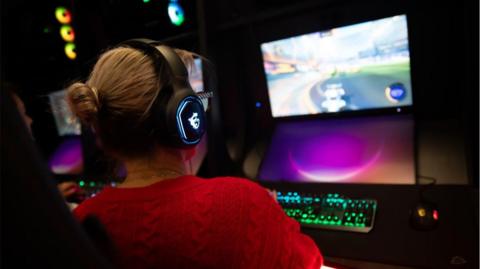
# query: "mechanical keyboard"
329,211
91,188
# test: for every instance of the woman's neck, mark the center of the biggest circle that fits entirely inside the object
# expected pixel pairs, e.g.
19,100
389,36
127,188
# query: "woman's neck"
162,165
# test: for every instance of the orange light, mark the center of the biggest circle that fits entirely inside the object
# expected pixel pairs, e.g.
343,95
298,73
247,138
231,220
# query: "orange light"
421,212
67,33
70,51
63,15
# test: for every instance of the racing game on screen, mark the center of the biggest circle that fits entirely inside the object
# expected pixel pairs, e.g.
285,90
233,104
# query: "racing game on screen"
356,67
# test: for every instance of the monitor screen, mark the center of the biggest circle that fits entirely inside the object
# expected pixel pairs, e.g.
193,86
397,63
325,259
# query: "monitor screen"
67,157
195,75
352,150
356,67
65,121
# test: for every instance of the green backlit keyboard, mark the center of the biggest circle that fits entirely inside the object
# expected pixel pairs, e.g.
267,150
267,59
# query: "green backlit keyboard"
329,211
91,188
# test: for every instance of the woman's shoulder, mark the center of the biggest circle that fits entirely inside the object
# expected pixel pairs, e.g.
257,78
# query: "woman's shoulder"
90,206
234,184
240,189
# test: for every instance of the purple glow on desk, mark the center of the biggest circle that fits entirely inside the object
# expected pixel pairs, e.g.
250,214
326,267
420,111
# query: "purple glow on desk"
67,158
358,150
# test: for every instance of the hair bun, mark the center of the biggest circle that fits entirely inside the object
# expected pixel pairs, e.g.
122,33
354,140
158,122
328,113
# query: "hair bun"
83,101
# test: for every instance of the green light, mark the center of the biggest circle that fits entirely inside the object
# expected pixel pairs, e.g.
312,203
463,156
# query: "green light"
146,1
81,183
46,30
67,33
63,15
175,12
92,184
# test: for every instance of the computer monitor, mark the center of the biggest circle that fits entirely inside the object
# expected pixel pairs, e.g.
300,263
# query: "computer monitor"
66,122
363,66
67,158
195,76
377,149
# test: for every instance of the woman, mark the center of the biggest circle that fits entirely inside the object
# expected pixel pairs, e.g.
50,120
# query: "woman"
161,216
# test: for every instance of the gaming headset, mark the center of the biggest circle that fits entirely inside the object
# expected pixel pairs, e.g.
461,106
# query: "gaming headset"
177,114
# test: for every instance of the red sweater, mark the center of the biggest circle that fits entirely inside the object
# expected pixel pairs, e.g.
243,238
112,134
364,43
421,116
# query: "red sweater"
190,222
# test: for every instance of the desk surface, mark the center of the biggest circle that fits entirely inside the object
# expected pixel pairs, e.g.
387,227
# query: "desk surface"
392,241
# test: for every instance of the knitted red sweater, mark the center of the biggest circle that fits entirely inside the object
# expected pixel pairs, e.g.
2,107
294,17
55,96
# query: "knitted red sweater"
190,222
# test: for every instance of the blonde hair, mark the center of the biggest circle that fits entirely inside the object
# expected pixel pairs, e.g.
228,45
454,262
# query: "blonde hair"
117,97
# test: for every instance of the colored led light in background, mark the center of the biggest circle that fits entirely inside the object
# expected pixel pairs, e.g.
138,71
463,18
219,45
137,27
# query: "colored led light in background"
70,51
258,104
341,157
421,212
67,33
435,214
67,158
146,1
81,183
175,12
63,15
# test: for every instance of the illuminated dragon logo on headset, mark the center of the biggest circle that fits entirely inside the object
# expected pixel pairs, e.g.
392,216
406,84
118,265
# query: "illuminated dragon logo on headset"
194,120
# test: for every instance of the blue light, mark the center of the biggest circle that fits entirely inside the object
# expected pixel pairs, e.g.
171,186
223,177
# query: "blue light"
176,14
258,104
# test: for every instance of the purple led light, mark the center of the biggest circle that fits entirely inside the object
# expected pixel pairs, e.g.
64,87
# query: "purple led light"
67,159
333,157
356,150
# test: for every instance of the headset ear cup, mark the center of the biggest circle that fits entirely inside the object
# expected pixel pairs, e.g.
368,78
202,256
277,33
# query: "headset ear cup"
186,116
177,115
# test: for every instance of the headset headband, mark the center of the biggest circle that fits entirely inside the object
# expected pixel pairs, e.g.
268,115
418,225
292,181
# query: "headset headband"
178,117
